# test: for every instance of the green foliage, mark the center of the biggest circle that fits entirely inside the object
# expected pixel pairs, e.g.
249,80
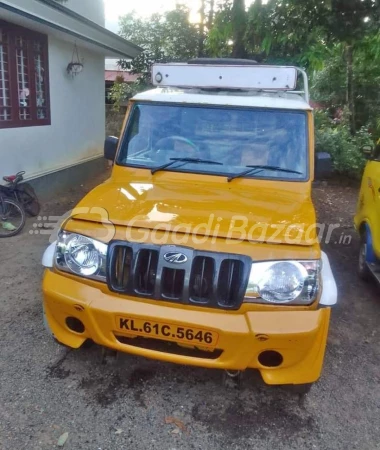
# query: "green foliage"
342,146
164,37
322,119
121,92
219,40
227,35
328,85
335,138
286,32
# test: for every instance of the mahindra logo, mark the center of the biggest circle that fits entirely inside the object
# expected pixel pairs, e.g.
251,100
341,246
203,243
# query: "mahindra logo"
175,257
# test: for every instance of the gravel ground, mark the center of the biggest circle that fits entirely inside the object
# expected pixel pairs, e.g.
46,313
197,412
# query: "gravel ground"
47,390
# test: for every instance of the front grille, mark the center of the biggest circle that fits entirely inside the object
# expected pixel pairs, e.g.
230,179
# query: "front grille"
122,266
145,271
172,282
202,279
214,280
230,274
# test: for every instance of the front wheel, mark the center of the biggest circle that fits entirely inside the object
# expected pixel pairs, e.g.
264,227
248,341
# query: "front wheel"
363,269
12,217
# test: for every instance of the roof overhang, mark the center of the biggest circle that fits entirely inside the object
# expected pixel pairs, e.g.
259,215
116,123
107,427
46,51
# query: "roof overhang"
50,17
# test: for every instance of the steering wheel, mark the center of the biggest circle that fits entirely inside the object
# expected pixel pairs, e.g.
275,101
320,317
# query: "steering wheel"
163,144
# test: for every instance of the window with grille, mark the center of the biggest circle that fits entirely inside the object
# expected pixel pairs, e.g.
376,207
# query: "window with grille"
24,77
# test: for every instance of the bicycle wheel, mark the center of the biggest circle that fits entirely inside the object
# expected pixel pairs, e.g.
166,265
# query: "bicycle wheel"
28,199
12,217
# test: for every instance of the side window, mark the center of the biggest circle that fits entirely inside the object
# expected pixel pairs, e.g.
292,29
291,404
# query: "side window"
138,134
24,79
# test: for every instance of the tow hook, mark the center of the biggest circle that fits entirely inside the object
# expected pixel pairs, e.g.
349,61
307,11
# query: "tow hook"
233,378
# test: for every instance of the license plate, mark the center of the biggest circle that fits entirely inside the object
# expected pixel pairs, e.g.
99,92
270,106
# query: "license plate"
167,331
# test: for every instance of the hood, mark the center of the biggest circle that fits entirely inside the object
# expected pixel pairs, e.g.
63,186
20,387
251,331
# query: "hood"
276,212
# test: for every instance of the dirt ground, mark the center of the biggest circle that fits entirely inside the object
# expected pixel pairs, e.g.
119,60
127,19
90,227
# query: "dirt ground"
47,390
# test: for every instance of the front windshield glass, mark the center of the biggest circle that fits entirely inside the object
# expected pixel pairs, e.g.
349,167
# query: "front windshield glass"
235,138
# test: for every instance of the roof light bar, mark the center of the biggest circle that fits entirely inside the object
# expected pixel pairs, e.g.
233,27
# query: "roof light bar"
231,77
211,76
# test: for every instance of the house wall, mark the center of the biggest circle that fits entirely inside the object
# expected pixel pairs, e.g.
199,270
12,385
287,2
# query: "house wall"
77,129
91,9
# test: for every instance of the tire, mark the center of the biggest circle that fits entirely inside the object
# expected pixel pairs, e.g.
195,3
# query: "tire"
12,217
363,270
29,199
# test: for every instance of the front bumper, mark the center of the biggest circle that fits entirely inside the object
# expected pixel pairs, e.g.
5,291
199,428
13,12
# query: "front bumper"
299,336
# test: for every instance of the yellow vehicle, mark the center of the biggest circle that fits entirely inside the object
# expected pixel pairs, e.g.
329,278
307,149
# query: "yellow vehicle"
201,249
367,218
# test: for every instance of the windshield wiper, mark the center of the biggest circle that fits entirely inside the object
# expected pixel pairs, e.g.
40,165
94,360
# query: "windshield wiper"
184,160
252,169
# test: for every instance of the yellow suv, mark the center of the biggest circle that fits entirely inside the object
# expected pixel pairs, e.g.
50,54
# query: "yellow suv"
202,247
367,218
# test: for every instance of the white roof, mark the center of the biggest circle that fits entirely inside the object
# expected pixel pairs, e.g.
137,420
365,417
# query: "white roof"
276,100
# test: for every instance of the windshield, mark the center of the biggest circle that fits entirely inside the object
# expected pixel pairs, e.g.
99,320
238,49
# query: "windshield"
234,138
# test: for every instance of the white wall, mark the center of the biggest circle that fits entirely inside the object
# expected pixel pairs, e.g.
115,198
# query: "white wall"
91,9
77,129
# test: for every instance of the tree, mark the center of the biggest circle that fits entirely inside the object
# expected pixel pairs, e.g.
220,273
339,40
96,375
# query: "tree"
329,85
202,22
219,39
211,13
227,35
206,21
164,37
303,32
347,24
288,32
239,23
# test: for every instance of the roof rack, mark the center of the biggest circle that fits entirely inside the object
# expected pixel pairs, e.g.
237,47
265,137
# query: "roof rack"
223,61
220,74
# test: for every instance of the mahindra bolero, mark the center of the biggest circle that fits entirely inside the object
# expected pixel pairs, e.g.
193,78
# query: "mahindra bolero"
202,247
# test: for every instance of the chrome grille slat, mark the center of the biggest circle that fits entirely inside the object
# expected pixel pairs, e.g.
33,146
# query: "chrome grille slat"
145,271
231,271
148,271
230,274
203,274
210,279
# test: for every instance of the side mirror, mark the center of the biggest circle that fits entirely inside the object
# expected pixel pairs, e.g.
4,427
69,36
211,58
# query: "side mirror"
323,165
367,151
110,147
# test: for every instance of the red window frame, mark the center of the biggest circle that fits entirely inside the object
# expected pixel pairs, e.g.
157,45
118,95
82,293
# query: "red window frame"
18,115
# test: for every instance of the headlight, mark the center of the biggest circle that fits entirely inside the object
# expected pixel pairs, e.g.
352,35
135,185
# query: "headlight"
81,255
294,282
